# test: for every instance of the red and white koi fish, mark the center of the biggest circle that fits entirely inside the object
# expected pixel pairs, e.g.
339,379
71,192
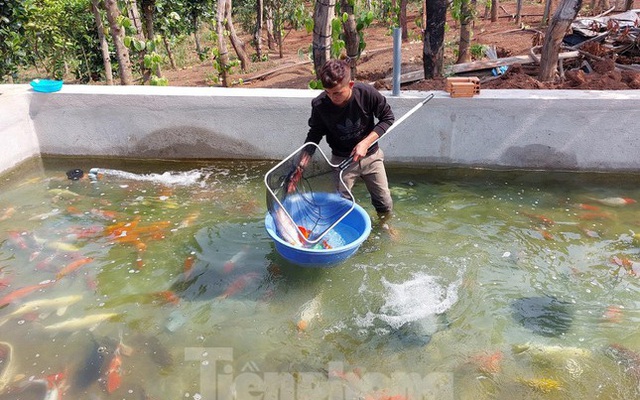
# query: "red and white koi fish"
114,378
614,201
22,292
231,263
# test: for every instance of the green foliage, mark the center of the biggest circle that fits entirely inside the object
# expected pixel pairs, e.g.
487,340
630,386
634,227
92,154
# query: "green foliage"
477,51
315,84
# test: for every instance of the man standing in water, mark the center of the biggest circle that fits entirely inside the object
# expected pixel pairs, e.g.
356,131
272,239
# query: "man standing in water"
346,113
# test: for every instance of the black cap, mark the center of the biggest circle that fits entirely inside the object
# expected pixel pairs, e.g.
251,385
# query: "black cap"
75,174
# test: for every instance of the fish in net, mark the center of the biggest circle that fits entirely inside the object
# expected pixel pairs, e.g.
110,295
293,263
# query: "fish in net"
307,197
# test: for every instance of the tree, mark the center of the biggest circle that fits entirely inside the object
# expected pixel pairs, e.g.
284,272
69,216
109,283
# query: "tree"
117,34
433,39
104,46
466,20
13,51
560,23
323,13
352,44
236,42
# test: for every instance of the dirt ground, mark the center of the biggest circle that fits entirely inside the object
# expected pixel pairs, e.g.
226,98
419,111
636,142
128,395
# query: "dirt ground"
295,70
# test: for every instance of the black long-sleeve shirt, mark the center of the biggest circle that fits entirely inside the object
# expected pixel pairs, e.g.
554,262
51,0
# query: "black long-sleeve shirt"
347,125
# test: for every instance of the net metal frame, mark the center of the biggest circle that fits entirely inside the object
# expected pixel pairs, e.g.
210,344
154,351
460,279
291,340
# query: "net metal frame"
277,193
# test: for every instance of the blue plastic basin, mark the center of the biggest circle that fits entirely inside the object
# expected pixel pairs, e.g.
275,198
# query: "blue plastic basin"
46,85
349,234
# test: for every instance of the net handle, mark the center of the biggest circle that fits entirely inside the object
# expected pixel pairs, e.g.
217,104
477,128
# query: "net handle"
345,163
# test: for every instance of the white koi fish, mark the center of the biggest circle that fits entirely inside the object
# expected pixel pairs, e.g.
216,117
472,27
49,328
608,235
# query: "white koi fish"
60,304
308,312
88,321
286,228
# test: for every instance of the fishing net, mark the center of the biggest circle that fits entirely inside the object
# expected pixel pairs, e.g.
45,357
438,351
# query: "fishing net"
307,197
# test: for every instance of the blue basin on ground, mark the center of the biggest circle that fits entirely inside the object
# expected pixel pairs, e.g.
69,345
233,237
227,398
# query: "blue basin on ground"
345,239
46,85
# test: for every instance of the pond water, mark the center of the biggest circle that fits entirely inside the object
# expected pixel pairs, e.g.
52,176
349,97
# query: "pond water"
163,284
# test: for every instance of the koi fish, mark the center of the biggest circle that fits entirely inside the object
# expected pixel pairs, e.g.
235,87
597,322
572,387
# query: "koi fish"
231,263
167,296
63,193
88,321
540,218
286,228
8,213
308,311
319,246
239,284
188,266
72,267
113,372
543,385
588,207
22,292
612,314
488,362
614,201
60,304
546,234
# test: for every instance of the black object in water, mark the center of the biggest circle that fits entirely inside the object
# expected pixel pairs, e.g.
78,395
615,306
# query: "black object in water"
75,174
543,315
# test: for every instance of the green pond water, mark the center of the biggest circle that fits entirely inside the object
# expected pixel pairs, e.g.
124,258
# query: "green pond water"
487,285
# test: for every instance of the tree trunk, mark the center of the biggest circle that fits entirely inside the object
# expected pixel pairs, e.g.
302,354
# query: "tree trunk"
167,47
117,34
257,35
546,13
134,16
352,43
403,20
236,42
322,16
271,40
433,41
560,23
104,46
466,18
628,5
148,9
195,26
518,12
495,5
223,53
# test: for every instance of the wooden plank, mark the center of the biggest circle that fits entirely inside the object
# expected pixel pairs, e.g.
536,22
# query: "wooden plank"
488,64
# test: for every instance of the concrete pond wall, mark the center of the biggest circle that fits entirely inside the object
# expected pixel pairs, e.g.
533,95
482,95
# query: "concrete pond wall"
536,129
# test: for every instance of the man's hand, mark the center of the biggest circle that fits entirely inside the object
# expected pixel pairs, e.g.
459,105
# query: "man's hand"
362,147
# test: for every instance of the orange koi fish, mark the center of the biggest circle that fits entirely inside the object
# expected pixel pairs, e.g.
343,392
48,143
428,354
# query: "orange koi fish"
167,296
72,267
488,362
239,284
22,292
546,234
188,266
113,372
540,218
588,207
594,216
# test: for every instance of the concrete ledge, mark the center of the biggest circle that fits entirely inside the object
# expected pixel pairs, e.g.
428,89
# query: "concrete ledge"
542,129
